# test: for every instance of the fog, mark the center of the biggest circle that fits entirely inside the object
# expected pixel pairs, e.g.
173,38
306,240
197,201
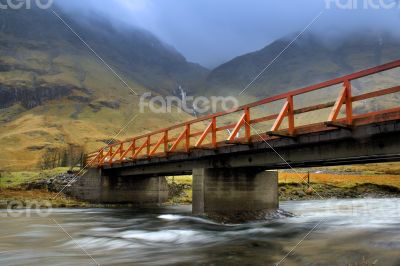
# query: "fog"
211,32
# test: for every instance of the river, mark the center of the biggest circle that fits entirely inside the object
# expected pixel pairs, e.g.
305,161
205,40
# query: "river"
345,232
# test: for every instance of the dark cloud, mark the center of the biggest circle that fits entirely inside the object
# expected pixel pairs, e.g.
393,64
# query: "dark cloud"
213,31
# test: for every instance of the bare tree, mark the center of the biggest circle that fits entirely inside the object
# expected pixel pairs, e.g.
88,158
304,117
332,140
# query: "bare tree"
71,156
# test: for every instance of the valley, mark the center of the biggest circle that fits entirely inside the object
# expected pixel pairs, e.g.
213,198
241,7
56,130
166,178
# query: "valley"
58,92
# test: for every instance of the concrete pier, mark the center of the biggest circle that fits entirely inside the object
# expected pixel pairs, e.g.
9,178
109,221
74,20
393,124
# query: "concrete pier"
234,191
93,186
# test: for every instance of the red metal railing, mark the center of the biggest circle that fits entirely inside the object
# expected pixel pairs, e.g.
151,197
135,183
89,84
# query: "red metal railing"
192,136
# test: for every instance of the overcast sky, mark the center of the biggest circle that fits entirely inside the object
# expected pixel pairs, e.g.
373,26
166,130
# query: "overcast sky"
211,32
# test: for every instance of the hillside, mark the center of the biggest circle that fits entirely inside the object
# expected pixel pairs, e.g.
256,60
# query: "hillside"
54,91
309,60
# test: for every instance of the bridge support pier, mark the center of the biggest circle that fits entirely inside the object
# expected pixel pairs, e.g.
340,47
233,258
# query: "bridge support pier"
94,186
237,193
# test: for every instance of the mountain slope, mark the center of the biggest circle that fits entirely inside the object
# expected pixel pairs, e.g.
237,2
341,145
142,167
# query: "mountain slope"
309,60
54,90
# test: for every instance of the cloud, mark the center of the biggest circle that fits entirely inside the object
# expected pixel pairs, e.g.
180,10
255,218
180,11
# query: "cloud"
213,31
134,5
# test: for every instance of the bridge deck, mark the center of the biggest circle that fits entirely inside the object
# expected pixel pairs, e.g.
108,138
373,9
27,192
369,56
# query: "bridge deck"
206,136
377,142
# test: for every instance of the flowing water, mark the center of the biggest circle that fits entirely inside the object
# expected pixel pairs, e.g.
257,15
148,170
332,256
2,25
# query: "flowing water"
346,232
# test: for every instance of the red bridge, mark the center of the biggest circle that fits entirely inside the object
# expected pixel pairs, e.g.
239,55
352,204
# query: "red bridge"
161,143
283,131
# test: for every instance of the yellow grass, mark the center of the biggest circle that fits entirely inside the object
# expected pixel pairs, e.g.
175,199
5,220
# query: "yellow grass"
35,196
341,180
51,124
337,179
373,168
183,179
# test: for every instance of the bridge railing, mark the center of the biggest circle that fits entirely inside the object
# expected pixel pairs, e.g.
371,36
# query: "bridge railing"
204,132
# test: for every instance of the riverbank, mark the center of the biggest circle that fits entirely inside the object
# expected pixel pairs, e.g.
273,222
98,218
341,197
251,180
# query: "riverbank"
181,191
182,195
40,188
27,188
318,184
21,198
14,192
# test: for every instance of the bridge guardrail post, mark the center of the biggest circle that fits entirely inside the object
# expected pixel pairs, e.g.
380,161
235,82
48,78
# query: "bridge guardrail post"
121,151
290,113
214,132
247,127
345,97
100,157
148,142
134,147
111,156
349,102
166,142
187,142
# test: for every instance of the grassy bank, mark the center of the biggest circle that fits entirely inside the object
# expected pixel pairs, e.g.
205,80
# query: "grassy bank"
11,189
295,186
25,198
10,180
341,182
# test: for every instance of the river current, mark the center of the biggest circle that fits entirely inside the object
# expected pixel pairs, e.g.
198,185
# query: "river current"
326,232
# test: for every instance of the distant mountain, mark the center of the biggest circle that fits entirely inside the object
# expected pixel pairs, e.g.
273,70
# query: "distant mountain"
131,51
54,90
309,60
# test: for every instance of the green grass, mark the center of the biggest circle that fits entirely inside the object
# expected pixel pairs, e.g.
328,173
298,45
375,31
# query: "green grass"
15,179
186,198
184,179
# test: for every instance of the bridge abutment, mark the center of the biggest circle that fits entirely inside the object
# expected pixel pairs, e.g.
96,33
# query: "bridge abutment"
234,192
94,186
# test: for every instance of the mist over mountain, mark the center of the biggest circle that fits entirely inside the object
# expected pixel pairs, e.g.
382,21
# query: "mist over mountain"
55,91
132,51
311,59
212,32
